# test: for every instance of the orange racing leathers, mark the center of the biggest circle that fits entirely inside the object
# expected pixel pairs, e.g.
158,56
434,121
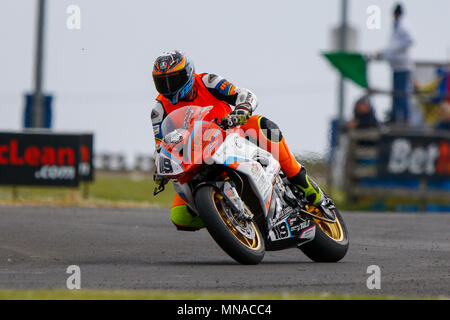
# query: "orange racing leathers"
210,89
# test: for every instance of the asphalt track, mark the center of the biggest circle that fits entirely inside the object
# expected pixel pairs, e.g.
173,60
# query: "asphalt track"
140,249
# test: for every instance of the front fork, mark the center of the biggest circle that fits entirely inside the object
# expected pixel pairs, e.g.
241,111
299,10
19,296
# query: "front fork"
228,190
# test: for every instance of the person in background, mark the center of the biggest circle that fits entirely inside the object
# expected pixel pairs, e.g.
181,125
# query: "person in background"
444,117
397,53
363,115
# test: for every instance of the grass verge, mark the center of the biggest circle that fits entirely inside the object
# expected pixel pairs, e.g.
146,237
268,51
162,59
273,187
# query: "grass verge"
107,189
173,295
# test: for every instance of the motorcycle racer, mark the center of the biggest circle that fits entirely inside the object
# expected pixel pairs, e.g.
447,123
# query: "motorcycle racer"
178,86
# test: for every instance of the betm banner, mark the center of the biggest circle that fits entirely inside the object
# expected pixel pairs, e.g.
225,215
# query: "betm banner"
414,156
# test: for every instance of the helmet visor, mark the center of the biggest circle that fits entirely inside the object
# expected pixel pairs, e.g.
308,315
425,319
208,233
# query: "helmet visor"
169,84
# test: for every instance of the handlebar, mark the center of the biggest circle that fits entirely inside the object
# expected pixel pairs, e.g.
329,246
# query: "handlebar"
226,123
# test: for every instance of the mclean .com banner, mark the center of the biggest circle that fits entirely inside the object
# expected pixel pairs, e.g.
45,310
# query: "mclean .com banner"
414,156
45,158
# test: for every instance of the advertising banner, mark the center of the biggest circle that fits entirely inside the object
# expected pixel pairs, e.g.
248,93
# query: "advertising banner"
86,166
52,159
414,156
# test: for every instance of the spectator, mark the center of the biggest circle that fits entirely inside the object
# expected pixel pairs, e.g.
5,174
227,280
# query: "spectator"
444,117
397,53
363,115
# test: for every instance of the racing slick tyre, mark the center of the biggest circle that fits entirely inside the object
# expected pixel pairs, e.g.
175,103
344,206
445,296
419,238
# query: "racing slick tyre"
241,240
331,240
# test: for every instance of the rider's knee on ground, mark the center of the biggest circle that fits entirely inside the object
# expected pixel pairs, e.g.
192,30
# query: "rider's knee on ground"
184,220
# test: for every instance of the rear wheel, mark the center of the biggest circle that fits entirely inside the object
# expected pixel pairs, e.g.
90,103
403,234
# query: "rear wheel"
331,241
240,239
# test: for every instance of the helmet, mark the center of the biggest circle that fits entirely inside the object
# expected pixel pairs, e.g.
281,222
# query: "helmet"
173,75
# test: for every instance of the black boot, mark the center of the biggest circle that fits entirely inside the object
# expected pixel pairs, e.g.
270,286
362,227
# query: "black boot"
310,189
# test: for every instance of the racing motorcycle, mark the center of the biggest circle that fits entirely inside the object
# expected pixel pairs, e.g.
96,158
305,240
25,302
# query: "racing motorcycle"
238,190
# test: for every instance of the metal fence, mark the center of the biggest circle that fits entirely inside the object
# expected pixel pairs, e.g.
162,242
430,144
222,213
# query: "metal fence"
118,162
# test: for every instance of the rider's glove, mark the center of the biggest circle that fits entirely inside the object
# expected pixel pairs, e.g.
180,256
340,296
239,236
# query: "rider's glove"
239,116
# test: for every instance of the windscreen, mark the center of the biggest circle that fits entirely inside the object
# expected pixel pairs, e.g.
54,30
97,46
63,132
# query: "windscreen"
183,118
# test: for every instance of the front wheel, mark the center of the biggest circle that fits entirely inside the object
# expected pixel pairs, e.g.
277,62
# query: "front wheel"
240,239
331,241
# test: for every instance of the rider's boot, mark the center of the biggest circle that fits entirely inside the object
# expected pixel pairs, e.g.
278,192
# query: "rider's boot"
313,193
310,189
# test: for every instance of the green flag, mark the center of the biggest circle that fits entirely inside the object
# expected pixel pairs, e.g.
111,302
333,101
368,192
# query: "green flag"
350,65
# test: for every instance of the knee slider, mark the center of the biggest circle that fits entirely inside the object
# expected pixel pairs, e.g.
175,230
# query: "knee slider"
180,215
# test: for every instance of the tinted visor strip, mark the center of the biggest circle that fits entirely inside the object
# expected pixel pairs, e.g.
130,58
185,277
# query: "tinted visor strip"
169,84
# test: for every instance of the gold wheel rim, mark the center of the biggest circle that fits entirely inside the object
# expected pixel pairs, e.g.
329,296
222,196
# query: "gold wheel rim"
332,229
255,243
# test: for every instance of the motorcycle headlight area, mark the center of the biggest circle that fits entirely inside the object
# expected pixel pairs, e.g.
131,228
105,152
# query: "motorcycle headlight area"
166,165
175,136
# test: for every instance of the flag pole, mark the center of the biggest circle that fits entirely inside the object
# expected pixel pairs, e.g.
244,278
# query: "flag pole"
342,47
37,111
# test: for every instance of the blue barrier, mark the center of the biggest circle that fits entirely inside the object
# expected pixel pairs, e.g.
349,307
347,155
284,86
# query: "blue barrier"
27,119
412,183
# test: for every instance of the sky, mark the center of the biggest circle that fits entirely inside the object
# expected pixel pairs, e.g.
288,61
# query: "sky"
100,74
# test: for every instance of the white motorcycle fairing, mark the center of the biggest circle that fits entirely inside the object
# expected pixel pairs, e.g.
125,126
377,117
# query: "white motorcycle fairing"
247,158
